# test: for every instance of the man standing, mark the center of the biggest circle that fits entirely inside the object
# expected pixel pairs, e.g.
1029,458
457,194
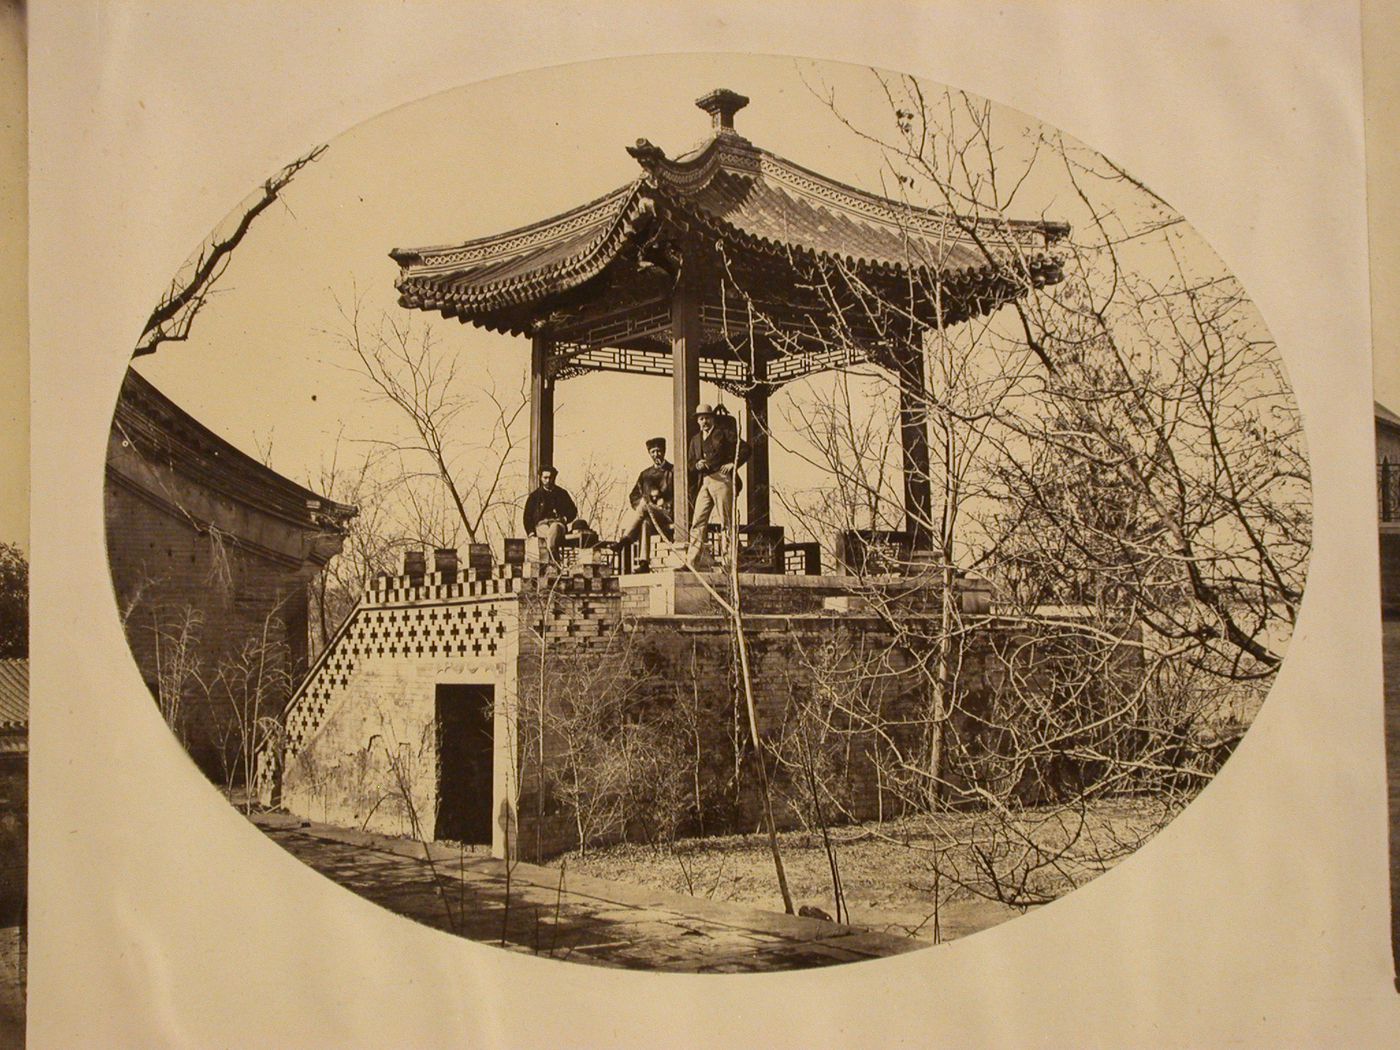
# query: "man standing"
712,456
549,511
652,495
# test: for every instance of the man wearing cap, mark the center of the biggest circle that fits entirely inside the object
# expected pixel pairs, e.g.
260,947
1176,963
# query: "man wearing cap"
713,455
652,495
549,511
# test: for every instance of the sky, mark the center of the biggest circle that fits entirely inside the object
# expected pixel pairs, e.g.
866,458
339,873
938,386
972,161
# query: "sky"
265,367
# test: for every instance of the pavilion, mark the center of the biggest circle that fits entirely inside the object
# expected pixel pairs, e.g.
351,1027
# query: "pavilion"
736,266
727,264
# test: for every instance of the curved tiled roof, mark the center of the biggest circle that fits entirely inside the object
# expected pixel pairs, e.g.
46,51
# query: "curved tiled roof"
162,432
521,264
740,196
749,193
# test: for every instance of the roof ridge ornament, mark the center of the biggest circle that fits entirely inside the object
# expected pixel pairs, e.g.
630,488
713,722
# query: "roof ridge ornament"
647,154
721,104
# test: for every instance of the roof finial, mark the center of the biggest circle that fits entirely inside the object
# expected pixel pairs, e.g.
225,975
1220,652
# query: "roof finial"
721,104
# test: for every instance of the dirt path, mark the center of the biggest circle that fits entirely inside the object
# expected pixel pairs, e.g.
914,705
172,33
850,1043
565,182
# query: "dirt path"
888,889
562,915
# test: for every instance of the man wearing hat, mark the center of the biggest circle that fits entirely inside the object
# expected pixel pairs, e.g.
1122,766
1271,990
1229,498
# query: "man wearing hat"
713,455
549,512
652,495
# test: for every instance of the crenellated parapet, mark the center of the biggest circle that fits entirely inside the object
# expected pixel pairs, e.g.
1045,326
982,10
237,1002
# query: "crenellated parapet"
449,614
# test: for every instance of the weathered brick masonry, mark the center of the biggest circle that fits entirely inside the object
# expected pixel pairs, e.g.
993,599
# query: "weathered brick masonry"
197,528
362,732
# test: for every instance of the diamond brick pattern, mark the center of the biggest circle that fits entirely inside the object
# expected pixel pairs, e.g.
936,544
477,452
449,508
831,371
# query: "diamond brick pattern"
468,629
432,617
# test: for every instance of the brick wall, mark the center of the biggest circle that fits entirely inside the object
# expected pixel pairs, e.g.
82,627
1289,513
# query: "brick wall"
1061,703
796,665
362,748
568,644
163,566
631,725
668,688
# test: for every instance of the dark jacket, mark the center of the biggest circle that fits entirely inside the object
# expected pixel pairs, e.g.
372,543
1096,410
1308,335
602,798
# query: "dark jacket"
708,454
542,506
657,483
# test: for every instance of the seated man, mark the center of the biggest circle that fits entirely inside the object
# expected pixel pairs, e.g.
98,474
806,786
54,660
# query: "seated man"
712,457
549,511
652,495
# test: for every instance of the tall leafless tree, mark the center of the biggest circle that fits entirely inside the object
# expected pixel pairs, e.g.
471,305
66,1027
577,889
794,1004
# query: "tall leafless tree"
460,438
1120,455
191,287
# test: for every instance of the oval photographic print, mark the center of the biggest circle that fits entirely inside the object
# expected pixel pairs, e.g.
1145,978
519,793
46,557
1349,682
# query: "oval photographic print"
707,513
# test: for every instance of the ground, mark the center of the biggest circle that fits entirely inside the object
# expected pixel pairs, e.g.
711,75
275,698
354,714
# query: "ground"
556,913
887,871
711,905
13,955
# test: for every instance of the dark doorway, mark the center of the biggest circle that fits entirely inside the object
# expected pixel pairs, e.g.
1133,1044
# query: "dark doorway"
464,750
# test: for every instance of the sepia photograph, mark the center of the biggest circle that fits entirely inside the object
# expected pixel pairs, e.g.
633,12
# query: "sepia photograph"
807,526
765,529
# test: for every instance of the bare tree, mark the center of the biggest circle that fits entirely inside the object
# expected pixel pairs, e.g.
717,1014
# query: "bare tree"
254,682
191,287
1118,453
587,734
850,433
404,367
595,493
370,546
1153,367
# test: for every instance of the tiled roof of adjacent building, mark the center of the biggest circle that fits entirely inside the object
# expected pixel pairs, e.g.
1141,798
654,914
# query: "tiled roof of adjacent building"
14,695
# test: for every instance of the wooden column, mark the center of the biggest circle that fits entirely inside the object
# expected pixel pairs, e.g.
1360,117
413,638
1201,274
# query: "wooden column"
685,395
756,424
541,408
913,435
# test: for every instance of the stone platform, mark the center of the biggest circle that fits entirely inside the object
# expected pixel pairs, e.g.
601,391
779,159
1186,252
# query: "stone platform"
682,592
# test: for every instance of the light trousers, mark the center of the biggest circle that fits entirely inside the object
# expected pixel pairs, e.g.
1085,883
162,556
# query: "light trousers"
659,518
716,490
552,532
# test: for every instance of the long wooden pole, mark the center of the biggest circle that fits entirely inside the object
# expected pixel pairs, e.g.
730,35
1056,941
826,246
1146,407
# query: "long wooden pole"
735,612
541,408
685,394
913,435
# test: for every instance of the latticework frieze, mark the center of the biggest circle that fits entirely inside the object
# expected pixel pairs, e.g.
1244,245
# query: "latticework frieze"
729,374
